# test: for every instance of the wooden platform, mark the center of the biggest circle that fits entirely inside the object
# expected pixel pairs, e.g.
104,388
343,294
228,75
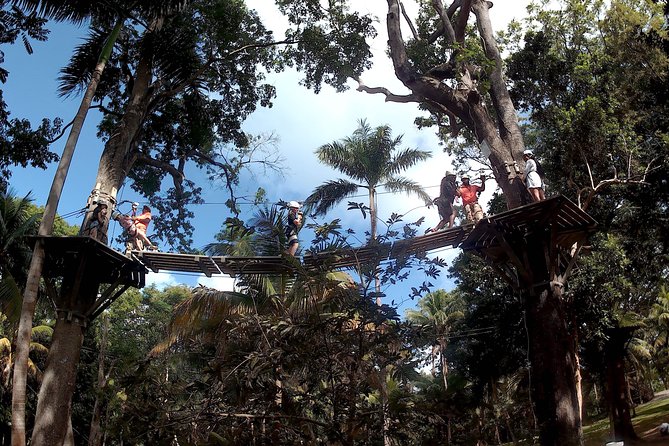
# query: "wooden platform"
558,214
64,254
535,245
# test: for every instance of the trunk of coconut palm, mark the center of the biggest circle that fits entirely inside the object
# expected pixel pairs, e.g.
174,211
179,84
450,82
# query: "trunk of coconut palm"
444,363
372,227
37,261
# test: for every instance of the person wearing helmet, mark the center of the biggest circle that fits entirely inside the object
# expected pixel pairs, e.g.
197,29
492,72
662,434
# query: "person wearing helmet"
448,190
533,176
470,198
293,227
141,223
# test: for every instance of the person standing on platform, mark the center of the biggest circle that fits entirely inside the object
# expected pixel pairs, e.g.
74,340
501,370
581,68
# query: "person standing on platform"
141,223
293,227
470,198
533,176
448,190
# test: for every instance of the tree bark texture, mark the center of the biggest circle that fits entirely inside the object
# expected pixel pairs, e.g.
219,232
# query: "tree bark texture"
552,355
55,396
465,103
552,352
617,386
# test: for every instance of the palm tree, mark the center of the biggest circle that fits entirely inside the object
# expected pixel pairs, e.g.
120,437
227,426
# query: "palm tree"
370,158
436,314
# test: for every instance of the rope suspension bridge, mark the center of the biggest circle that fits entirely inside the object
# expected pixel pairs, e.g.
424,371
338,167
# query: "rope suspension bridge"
501,240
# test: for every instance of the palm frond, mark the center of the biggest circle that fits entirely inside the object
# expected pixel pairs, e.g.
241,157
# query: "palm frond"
405,185
5,347
328,195
77,74
407,158
10,299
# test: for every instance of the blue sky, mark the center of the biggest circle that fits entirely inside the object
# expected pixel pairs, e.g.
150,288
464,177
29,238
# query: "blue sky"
301,119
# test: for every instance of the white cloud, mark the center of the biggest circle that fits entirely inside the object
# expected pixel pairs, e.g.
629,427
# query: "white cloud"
161,280
220,283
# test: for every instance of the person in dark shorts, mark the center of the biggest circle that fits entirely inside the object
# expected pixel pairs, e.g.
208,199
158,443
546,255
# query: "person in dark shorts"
293,227
448,190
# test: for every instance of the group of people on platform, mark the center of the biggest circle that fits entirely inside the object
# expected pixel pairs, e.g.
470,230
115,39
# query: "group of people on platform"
469,193
135,226
449,190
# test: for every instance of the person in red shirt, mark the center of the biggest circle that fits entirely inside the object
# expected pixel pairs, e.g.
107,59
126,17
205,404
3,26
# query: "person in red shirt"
470,198
141,223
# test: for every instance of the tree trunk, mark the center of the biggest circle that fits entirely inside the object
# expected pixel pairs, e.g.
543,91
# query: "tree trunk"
37,261
464,103
444,362
616,384
95,434
55,396
552,348
552,355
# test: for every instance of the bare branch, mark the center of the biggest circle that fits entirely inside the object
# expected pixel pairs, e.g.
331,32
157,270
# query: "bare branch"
390,97
62,132
409,22
445,20
463,17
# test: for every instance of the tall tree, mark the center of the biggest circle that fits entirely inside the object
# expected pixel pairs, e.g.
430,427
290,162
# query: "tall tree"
372,158
597,113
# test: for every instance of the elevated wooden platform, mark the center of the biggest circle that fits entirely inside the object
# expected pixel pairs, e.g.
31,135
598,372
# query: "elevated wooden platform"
83,264
533,245
65,254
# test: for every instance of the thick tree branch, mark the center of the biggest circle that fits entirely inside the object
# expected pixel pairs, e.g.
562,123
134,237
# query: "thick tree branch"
463,17
445,20
508,127
441,29
177,175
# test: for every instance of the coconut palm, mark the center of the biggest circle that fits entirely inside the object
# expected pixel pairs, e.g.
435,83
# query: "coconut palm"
371,158
436,314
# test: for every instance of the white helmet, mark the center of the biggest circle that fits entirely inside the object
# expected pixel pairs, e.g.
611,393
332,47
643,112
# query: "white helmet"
293,204
528,152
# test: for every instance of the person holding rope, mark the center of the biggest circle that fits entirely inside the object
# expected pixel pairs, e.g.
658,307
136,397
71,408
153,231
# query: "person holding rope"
137,239
533,176
293,227
470,198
